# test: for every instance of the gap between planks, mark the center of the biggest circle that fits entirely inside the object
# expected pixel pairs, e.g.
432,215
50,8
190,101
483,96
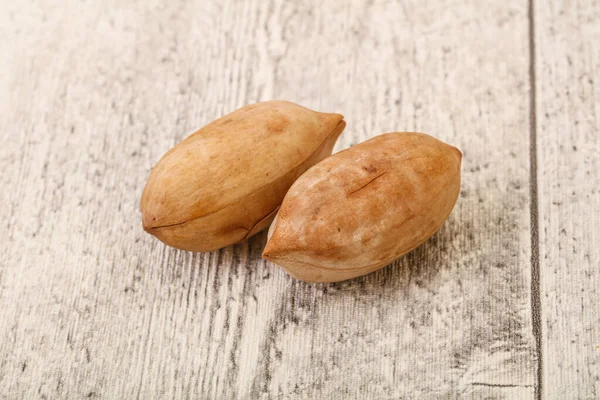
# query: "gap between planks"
536,303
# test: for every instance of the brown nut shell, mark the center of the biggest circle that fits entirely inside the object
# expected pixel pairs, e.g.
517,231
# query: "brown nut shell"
362,208
225,182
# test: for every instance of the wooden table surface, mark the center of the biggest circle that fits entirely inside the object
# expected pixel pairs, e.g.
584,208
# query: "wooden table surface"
502,303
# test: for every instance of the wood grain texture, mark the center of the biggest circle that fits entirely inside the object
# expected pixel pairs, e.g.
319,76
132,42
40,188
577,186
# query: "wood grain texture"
95,92
568,129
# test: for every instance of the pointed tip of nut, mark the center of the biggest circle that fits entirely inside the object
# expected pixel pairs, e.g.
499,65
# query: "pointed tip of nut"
279,244
333,118
269,252
148,223
457,152
270,247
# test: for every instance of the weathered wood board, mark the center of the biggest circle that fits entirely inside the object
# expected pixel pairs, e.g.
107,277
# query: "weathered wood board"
568,133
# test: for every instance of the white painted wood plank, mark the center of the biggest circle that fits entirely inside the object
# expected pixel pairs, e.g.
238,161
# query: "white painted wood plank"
90,306
568,131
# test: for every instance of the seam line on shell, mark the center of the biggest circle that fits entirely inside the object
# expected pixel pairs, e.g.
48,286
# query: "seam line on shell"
258,222
368,183
383,263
